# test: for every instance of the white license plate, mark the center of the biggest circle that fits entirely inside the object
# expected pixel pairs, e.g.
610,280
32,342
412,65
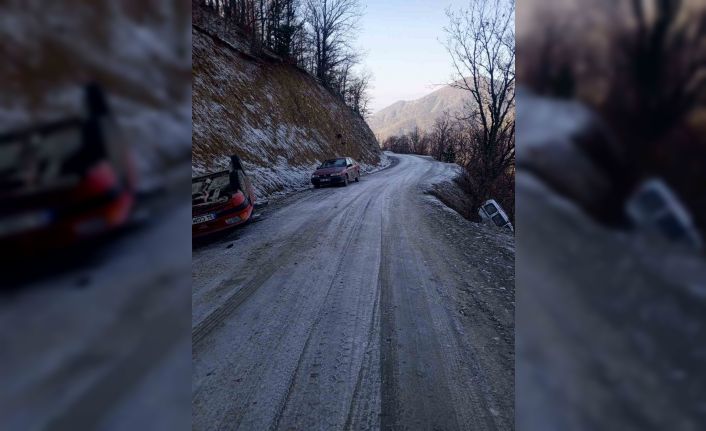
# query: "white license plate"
203,218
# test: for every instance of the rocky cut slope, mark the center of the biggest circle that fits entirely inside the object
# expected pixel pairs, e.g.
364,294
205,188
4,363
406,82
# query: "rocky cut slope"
276,117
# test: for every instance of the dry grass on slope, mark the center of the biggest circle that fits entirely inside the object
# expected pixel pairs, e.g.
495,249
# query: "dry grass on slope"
138,52
276,117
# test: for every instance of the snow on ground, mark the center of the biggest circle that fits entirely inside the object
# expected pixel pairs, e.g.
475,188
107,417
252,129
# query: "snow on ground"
163,134
621,323
79,343
385,162
277,118
282,179
321,315
293,179
286,179
141,56
93,331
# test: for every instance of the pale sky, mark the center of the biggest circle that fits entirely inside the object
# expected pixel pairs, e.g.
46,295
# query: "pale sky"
404,51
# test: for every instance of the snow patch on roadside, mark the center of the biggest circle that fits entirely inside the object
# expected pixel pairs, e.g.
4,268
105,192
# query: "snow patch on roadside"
282,179
279,120
385,162
450,174
441,188
486,232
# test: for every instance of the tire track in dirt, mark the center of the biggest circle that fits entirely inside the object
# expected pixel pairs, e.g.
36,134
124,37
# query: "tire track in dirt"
341,260
368,363
236,298
235,416
363,334
389,402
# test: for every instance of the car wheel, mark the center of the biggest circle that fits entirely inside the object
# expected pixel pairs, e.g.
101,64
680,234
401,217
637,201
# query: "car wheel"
316,186
345,180
357,178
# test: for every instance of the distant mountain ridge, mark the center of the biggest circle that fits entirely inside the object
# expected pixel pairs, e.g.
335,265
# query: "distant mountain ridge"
402,116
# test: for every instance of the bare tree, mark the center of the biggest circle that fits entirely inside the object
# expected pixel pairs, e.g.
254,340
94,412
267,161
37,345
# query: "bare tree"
549,55
332,24
317,35
415,141
397,144
286,24
481,42
441,136
358,94
661,69
272,24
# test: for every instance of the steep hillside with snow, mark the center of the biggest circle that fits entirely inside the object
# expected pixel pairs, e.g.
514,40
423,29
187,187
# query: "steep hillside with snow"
401,117
276,117
138,51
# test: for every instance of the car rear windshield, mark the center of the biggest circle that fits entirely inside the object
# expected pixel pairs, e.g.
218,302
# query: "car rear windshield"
46,156
490,209
209,189
334,163
211,183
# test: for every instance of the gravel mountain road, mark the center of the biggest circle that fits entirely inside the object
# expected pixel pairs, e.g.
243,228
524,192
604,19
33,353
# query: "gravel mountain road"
103,344
371,306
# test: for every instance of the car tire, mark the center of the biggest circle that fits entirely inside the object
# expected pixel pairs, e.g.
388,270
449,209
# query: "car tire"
316,186
357,178
345,181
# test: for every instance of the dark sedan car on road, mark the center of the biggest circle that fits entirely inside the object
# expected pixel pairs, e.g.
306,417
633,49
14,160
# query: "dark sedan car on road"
338,171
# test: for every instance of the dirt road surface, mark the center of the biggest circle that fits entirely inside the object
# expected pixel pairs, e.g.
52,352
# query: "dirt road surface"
370,306
610,332
103,343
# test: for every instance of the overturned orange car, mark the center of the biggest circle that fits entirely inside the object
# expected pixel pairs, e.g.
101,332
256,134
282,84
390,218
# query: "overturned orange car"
221,200
64,182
